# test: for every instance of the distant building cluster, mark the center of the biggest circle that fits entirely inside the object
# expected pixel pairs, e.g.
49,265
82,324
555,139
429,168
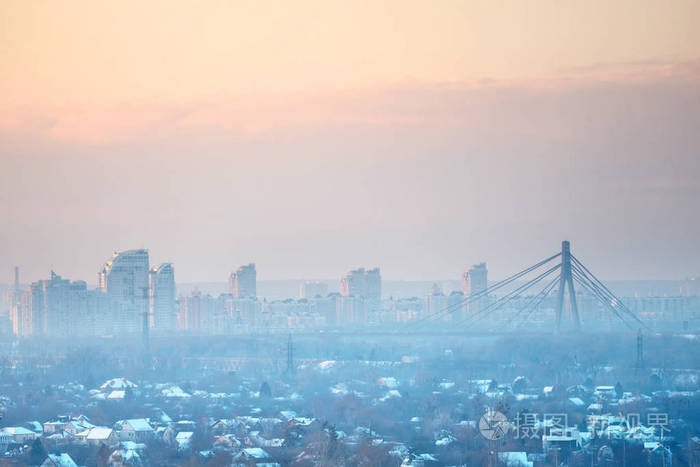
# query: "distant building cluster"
132,296
128,293
358,303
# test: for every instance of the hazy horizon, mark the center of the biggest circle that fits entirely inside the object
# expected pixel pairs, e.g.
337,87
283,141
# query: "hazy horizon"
318,137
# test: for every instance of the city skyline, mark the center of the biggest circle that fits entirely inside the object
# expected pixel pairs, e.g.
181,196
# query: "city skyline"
318,233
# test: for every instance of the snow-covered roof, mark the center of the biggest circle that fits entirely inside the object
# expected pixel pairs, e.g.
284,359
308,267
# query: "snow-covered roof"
17,430
444,441
36,426
326,365
174,391
393,393
62,460
518,459
116,395
256,453
288,414
447,384
139,424
99,433
117,383
389,382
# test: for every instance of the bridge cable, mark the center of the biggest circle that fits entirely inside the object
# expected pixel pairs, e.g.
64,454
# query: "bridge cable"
472,297
506,298
591,287
544,294
586,272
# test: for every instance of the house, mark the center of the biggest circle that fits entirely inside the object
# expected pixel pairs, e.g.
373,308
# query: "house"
566,439
223,426
168,435
76,426
56,426
116,384
577,402
514,459
606,392
135,429
252,455
59,460
163,417
59,425
99,435
125,456
19,434
183,440
35,426
419,460
175,391
287,414
262,442
595,408
184,425
227,443
5,440
116,395
388,382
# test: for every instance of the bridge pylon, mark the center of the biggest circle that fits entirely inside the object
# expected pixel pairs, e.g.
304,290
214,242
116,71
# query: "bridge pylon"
566,280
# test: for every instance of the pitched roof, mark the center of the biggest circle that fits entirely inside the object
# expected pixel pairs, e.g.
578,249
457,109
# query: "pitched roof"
17,430
62,460
99,433
139,424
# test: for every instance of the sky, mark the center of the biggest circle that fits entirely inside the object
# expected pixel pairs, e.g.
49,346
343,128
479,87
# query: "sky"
316,137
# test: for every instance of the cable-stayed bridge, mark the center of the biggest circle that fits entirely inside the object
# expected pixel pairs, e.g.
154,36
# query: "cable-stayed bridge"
558,272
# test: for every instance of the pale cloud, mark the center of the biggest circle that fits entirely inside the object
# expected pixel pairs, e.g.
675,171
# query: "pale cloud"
486,106
306,184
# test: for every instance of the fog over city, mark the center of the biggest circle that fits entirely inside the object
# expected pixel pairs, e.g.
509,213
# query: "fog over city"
339,233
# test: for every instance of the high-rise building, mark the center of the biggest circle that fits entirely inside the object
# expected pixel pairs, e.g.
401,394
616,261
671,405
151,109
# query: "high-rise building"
362,283
456,305
352,284
163,314
310,290
196,313
691,287
21,314
57,306
16,291
373,286
351,310
474,281
125,278
436,304
242,282
20,309
326,307
362,293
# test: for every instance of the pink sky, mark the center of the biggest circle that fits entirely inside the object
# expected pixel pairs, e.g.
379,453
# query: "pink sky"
312,137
